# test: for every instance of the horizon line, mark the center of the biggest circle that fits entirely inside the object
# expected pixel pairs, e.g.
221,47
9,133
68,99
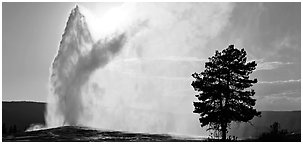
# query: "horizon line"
46,103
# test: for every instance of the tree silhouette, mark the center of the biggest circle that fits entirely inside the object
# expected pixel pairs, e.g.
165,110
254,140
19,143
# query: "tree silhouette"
276,134
223,92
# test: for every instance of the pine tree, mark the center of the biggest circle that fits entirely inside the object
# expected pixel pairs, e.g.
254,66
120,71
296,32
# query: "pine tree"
223,90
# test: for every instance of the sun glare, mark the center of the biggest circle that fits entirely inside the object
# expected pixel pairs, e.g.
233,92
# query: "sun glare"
104,24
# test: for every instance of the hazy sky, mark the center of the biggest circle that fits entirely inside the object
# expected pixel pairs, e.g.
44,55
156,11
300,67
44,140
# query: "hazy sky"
31,37
269,32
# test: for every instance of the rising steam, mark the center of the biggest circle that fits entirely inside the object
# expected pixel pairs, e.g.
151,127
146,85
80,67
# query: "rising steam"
78,57
135,76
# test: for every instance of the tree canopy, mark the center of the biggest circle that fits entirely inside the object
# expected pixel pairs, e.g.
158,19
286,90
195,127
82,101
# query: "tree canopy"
223,90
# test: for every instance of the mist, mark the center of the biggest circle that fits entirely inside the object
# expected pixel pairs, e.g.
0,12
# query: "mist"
132,72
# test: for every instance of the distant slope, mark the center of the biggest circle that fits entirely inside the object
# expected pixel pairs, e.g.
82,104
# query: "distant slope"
22,114
289,120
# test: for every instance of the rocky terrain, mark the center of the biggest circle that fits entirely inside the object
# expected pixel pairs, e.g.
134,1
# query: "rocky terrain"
72,133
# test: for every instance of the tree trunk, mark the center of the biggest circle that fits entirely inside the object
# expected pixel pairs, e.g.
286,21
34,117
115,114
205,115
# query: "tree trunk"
223,130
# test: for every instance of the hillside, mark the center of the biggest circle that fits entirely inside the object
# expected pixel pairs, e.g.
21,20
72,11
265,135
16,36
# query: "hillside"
289,120
23,114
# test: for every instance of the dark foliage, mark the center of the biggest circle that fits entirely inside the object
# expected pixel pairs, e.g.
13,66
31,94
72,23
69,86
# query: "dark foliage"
276,134
223,92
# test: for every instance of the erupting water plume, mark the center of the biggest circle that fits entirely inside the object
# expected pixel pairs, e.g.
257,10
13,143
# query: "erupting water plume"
78,57
131,70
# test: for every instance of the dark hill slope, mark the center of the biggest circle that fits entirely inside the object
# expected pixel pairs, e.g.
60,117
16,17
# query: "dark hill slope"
289,120
22,114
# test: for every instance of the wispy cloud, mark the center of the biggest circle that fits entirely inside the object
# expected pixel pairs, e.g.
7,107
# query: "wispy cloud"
270,65
291,88
169,58
294,93
135,74
283,102
278,95
275,82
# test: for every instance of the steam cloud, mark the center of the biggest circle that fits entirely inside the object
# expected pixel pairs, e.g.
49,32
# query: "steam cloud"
78,57
136,78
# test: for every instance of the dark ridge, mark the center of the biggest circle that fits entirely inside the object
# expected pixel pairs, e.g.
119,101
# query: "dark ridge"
289,120
23,102
24,113
21,114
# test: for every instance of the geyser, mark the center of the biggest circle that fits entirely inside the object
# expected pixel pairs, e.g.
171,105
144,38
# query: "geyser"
134,76
78,57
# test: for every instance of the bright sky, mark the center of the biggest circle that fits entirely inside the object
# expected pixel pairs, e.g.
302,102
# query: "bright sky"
31,37
269,32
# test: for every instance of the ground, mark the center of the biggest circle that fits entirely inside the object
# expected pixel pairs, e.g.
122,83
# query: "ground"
72,133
